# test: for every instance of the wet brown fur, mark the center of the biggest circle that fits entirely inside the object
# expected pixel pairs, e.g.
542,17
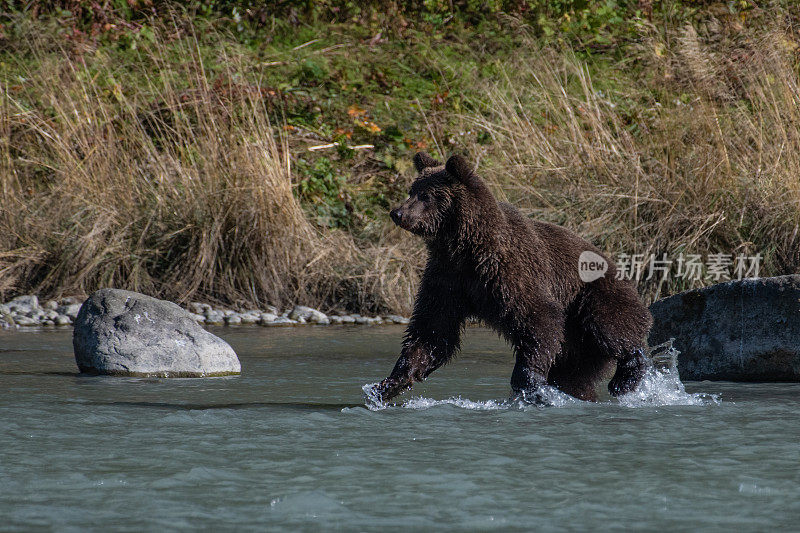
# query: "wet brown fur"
519,276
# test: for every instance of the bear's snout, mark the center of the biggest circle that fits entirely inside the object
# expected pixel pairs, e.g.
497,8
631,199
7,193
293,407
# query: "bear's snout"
397,216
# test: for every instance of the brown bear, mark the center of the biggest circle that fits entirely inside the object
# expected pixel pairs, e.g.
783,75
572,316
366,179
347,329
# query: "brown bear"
522,278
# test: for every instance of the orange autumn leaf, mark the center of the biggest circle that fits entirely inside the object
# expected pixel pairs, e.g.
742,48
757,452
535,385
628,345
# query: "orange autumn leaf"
355,111
371,126
341,131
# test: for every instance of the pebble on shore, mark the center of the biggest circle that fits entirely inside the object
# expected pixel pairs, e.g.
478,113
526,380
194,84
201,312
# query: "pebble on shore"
27,312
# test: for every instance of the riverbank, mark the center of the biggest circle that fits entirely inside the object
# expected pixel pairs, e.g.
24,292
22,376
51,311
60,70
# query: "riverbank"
27,312
243,156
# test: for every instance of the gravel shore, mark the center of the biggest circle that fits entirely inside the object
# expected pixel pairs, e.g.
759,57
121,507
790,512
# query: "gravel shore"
27,312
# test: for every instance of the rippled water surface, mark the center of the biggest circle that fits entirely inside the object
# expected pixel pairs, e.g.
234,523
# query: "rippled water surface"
289,445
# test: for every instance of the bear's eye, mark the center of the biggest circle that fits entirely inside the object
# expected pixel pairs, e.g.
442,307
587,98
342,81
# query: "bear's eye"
423,197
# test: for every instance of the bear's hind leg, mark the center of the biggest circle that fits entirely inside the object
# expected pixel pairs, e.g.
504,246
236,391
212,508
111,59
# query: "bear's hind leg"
617,321
526,382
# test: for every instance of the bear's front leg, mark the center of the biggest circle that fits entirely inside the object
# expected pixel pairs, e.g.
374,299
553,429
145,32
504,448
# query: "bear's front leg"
424,350
416,362
432,337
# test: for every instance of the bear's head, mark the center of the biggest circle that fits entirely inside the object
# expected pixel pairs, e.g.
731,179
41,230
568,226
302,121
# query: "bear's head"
435,195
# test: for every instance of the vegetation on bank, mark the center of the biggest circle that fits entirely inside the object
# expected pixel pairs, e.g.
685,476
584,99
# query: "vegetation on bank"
249,155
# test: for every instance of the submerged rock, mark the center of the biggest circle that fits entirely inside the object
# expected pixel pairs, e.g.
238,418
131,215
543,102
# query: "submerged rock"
746,330
126,333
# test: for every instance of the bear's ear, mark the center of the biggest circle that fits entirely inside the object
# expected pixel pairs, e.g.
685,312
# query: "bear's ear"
459,168
423,161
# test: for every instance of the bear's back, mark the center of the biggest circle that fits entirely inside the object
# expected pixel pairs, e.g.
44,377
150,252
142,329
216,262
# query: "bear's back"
551,250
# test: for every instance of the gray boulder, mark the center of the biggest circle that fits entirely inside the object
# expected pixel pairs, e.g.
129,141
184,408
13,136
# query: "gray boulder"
249,318
746,330
266,318
126,333
282,321
28,300
302,314
233,320
26,321
397,319
71,310
215,319
24,305
368,320
199,308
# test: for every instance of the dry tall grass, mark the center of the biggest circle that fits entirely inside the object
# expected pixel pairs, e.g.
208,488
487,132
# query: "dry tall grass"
716,174
183,192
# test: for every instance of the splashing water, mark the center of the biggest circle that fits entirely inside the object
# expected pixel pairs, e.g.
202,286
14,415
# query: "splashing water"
420,402
549,396
372,399
661,386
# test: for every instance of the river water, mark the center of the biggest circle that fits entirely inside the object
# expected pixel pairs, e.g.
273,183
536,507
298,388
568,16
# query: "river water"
290,445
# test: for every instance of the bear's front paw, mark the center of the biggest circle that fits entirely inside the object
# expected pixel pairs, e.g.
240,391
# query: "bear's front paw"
377,394
372,395
630,372
623,384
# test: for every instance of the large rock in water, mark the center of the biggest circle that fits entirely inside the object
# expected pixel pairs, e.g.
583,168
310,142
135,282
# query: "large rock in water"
126,333
746,330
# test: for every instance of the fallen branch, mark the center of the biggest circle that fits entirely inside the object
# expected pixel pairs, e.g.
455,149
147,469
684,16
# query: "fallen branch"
333,145
312,41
